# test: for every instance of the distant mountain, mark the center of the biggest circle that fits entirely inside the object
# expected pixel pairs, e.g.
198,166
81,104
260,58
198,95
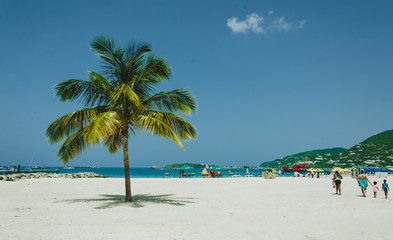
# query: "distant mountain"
383,138
309,156
179,165
375,151
320,152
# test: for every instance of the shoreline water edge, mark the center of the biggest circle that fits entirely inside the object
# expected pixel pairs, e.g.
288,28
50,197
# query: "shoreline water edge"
118,172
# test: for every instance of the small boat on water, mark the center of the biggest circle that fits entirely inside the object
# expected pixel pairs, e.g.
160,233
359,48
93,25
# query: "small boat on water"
38,167
158,168
16,169
85,167
68,168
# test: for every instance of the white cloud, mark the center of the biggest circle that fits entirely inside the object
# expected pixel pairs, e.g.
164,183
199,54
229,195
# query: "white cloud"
236,26
257,24
252,22
301,23
279,24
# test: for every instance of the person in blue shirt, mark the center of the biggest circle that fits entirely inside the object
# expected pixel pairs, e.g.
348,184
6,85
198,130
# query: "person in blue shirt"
385,188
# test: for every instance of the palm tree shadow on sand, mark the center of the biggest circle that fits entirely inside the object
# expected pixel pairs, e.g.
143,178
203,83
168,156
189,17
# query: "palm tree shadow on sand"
139,200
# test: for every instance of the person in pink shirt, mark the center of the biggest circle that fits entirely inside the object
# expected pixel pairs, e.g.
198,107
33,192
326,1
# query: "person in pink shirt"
375,189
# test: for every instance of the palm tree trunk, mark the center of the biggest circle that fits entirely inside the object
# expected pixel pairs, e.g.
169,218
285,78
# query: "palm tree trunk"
126,166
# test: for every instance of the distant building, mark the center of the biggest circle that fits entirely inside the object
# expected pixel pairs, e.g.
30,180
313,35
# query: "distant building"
370,161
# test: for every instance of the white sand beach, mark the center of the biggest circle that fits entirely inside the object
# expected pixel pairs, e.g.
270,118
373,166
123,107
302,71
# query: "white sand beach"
239,208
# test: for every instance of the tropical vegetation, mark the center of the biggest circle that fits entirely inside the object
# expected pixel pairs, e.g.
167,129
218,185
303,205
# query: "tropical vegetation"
310,156
120,101
375,151
179,165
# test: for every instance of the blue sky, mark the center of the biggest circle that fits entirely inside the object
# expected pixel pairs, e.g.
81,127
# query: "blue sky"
272,78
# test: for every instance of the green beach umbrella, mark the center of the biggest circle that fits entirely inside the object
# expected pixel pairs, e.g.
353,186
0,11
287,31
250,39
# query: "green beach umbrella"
186,167
217,168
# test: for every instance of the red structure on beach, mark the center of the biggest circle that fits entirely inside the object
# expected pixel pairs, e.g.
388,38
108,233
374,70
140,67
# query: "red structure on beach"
297,168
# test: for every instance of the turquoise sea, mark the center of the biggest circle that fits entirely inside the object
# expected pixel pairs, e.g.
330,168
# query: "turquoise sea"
117,172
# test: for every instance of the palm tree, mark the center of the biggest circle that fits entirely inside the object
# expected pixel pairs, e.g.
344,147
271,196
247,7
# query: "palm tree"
120,101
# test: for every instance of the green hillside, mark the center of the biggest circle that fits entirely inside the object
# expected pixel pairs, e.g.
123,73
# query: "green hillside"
384,138
310,154
179,165
314,156
375,151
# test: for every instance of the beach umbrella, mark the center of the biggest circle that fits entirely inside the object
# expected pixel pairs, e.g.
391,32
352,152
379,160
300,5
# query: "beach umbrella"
186,167
367,170
217,168
204,171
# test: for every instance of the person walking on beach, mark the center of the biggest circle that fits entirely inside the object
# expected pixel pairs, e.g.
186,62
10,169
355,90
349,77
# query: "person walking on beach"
362,180
375,189
385,188
337,180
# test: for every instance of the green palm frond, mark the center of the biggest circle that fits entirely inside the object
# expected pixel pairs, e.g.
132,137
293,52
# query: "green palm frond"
95,91
103,126
114,143
100,83
72,122
125,96
108,51
157,127
172,101
135,51
153,71
168,125
73,146
100,128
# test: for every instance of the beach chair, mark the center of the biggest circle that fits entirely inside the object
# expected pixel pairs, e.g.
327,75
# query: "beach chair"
167,175
192,174
236,175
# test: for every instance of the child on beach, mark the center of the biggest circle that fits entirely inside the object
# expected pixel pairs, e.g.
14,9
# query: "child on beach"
375,189
385,188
